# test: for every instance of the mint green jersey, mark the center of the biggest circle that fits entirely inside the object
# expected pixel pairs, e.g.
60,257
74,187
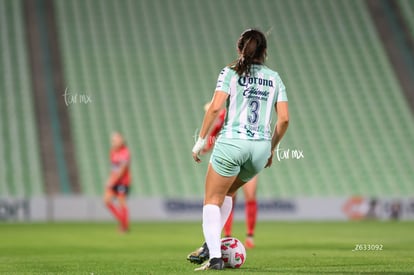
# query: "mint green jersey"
251,102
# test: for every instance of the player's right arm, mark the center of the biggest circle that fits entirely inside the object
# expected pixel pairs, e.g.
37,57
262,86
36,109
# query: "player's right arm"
217,103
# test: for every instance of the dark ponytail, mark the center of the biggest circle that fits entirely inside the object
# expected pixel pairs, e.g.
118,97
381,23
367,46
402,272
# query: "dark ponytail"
252,46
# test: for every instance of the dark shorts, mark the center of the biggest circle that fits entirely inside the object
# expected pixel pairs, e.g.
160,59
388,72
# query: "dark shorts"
120,189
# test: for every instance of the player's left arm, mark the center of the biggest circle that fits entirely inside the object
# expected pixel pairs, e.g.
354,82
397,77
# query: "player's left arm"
210,117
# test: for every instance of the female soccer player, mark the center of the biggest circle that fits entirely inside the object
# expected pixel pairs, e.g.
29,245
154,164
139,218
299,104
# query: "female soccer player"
245,145
117,185
249,189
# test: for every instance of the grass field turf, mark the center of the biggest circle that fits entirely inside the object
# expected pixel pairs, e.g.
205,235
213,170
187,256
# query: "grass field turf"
161,248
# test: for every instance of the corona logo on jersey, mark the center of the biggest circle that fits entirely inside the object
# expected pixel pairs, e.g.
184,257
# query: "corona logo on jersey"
253,92
244,80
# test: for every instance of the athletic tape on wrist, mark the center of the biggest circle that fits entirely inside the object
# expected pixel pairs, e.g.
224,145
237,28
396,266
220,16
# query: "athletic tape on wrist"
199,145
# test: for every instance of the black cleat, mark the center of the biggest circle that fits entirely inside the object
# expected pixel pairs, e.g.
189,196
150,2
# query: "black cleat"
213,264
200,255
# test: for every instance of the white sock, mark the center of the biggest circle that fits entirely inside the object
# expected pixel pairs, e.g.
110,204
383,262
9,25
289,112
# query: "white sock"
212,229
225,210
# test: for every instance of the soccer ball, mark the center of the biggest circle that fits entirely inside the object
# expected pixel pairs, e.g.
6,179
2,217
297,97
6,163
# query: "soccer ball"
233,252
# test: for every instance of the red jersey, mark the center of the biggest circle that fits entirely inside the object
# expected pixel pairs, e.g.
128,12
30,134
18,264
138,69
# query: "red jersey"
119,157
215,131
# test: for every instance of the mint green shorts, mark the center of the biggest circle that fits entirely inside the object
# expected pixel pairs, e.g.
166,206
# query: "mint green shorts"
244,158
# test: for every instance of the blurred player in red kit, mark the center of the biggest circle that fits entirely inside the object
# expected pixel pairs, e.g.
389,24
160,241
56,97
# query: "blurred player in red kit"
249,189
117,185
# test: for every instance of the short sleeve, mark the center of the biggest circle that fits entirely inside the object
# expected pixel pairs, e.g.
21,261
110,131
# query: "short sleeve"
223,81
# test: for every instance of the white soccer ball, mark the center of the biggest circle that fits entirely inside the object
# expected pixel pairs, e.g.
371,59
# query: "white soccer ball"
233,252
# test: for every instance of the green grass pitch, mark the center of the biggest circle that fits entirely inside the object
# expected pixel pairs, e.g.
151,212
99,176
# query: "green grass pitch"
161,248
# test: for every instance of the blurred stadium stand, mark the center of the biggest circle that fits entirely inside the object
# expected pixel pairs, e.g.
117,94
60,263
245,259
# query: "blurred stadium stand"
149,67
407,8
20,170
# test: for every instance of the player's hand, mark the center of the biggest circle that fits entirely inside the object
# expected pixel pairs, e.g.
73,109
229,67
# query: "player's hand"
197,148
196,158
269,161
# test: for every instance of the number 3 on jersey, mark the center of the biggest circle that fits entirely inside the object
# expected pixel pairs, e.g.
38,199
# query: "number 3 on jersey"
253,116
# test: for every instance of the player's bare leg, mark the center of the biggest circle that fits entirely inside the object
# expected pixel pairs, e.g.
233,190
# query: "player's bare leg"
217,208
233,193
235,186
202,253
